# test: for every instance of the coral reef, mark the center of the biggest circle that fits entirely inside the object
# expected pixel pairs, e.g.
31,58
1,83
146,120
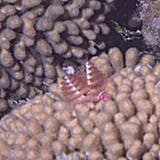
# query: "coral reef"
150,15
126,127
34,33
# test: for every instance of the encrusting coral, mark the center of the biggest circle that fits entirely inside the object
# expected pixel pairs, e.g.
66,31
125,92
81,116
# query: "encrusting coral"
34,33
125,127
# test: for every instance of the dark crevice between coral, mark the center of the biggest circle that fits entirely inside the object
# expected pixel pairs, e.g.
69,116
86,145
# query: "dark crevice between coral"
5,112
122,13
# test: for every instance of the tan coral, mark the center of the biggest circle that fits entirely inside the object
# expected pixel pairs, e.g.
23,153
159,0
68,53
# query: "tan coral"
116,58
131,57
126,127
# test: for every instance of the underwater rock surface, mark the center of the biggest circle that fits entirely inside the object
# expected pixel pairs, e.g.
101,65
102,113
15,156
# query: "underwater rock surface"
149,12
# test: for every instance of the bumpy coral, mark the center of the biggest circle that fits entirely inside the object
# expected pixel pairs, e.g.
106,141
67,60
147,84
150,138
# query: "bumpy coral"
34,32
126,127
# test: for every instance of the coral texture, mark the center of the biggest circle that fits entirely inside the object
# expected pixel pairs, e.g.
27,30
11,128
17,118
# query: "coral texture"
33,33
126,127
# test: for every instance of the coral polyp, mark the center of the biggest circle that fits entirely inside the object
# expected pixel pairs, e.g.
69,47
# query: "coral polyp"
85,86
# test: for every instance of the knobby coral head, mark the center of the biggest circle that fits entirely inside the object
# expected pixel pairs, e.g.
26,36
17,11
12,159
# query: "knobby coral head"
85,86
